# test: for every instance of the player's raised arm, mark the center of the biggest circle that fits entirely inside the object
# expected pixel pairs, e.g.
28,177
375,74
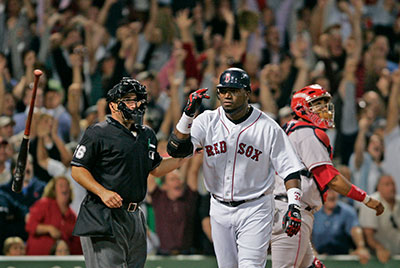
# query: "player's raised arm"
179,143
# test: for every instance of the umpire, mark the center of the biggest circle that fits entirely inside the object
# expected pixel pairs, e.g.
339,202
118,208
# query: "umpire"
113,161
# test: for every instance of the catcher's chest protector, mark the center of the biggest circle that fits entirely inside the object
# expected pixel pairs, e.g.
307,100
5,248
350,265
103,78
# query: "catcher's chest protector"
318,132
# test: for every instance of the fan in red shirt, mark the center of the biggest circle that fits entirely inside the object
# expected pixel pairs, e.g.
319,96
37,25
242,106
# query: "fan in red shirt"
51,218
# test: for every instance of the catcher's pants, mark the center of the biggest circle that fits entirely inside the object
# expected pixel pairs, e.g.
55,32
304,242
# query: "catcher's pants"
241,234
128,247
295,251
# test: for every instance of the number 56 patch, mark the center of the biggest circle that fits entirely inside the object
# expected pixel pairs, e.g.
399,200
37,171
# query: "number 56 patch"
80,151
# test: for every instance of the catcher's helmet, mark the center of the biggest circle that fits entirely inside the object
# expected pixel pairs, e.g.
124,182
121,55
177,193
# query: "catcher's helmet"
234,78
125,86
319,115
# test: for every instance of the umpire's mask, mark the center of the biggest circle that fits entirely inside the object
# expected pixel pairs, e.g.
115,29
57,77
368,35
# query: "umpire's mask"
118,94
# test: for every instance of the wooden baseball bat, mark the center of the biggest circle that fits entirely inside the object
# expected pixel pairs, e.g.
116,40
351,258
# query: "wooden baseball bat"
19,173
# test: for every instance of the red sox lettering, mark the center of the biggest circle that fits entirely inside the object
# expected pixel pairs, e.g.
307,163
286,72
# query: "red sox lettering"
249,151
216,148
244,149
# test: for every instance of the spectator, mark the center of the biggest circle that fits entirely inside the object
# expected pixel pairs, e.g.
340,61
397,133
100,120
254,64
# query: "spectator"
51,218
14,246
5,172
273,53
20,118
47,133
336,229
5,87
203,237
155,98
8,104
11,212
60,248
53,99
6,127
383,233
32,189
284,115
366,161
392,131
174,208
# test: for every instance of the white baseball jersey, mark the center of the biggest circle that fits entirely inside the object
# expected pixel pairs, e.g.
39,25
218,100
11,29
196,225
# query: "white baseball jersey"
313,153
240,160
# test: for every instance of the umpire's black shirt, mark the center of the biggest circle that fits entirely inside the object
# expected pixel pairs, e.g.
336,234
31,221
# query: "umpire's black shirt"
120,162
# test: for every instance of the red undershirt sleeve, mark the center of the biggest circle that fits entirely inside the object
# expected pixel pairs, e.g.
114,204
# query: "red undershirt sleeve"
324,174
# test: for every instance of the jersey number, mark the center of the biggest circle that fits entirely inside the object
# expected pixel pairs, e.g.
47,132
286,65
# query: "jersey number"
80,151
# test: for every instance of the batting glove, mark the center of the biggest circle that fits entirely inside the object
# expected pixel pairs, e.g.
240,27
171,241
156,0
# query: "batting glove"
194,101
317,264
292,220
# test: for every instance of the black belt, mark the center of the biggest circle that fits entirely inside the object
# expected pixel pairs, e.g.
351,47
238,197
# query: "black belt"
284,198
235,203
130,207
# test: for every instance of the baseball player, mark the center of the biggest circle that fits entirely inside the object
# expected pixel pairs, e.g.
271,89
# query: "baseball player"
112,161
313,114
243,148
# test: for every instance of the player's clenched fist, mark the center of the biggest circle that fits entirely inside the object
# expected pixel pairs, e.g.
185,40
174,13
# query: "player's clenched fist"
292,220
194,101
111,199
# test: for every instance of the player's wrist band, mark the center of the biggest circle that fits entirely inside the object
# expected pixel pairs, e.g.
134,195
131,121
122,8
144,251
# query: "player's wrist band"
366,199
184,124
294,196
357,194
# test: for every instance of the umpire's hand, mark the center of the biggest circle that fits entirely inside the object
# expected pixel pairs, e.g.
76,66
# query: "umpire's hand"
111,199
292,220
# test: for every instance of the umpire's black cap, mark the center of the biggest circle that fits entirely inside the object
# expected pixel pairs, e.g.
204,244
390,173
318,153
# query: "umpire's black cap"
125,86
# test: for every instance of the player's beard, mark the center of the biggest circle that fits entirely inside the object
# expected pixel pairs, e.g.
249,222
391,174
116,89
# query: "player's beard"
232,112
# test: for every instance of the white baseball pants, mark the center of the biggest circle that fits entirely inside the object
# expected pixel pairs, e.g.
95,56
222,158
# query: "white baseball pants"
241,234
295,251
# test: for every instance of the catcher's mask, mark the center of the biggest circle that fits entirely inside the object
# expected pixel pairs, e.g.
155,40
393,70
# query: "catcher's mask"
304,106
118,94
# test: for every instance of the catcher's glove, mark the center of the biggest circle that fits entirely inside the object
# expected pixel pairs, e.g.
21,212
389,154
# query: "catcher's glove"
292,220
194,101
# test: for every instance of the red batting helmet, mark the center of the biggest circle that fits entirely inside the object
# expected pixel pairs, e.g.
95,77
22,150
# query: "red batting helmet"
303,105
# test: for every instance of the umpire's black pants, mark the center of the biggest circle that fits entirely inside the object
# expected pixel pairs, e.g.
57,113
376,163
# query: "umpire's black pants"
127,249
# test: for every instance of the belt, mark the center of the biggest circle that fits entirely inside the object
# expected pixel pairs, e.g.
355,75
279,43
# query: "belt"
130,207
235,203
284,198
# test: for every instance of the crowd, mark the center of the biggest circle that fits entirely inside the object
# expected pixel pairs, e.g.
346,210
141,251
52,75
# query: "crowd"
85,47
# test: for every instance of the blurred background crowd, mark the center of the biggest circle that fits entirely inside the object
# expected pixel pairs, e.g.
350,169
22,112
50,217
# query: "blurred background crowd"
84,47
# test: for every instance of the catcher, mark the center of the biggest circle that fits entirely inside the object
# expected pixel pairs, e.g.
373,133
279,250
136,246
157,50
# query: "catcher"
313,113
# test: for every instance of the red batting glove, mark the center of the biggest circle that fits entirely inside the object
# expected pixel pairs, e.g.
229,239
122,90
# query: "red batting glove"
292,220
194,101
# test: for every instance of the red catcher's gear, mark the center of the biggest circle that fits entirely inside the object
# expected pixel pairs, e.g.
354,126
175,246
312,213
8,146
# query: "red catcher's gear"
304,107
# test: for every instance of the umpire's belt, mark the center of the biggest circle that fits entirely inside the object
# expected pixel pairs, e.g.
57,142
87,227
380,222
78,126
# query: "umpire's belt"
235,203
130,207
284,198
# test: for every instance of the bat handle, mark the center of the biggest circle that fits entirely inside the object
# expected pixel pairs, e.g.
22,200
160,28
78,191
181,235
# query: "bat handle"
19,173
17,181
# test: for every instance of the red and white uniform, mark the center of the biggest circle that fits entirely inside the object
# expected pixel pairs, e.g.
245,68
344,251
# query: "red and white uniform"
314,150
240,161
